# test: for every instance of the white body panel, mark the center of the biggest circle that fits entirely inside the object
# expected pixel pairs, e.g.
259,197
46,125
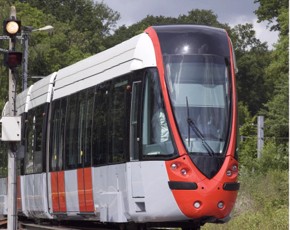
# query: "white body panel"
114,188
41,91
34,196
22,101
158,200
71,188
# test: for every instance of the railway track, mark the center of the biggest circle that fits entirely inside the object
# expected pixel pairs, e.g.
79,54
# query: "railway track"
80,226
61,226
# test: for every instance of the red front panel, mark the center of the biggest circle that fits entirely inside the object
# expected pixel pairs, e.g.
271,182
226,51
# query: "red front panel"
209,192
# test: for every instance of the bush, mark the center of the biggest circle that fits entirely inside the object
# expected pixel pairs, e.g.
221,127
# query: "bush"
274,156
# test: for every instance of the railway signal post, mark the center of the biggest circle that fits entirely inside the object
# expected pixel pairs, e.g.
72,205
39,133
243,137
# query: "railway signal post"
11,124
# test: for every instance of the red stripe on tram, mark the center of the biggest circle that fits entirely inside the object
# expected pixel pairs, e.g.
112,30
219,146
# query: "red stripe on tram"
58,192
89,189
85,190
61,192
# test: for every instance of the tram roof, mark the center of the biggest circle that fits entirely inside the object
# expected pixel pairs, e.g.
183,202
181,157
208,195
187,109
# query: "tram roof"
135,53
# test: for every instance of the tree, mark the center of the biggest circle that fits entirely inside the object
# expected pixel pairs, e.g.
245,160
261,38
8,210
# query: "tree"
244,39
252,59
276,109
84,15
200,17
94,21
269,10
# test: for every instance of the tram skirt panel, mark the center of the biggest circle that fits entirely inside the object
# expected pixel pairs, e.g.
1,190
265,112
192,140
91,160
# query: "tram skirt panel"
34,196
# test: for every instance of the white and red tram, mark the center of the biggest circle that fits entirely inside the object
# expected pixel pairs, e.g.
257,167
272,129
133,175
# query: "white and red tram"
142,132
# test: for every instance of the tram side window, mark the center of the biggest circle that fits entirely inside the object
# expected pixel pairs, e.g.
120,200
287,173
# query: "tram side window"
34,140
39,151
100,141
57,135
119,123
156,135
28,159
86,100
71,132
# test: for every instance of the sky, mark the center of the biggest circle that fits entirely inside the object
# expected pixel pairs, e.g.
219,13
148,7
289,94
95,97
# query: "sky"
232,12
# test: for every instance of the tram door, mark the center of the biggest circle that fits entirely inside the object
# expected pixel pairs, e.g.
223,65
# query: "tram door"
134,127
56,161
136,177
84,169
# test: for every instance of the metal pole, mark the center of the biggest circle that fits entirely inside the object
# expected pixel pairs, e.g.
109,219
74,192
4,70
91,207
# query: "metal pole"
260,142
12,215
25,59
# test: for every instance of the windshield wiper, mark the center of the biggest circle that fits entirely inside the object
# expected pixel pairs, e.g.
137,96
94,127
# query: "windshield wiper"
196,130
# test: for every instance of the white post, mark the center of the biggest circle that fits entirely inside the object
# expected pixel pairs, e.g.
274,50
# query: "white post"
260,142
12,215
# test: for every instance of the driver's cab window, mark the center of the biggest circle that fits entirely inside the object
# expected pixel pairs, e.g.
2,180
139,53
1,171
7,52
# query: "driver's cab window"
156,134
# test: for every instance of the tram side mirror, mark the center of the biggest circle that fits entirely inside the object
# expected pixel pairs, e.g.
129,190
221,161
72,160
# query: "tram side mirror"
236,70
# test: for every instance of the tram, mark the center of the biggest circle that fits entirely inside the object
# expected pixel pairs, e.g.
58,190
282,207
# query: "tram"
144,132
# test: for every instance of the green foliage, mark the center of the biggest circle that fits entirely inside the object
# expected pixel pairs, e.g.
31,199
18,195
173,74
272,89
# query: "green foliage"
248,143
200,17
270,10
244,39
85,22
276,110
244,113
252,59
277,115
251,82
274,156
84,15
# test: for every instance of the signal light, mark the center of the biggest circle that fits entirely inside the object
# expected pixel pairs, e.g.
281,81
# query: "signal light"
12,27
12,59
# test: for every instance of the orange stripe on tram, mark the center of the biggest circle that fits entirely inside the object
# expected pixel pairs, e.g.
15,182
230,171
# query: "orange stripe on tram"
85,190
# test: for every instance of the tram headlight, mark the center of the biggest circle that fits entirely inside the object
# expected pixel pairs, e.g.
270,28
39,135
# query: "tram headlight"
197,204
229,172
220,205
174,166
183,172
235,168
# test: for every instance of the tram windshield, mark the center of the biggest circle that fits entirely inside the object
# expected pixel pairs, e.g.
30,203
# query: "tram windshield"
199,90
